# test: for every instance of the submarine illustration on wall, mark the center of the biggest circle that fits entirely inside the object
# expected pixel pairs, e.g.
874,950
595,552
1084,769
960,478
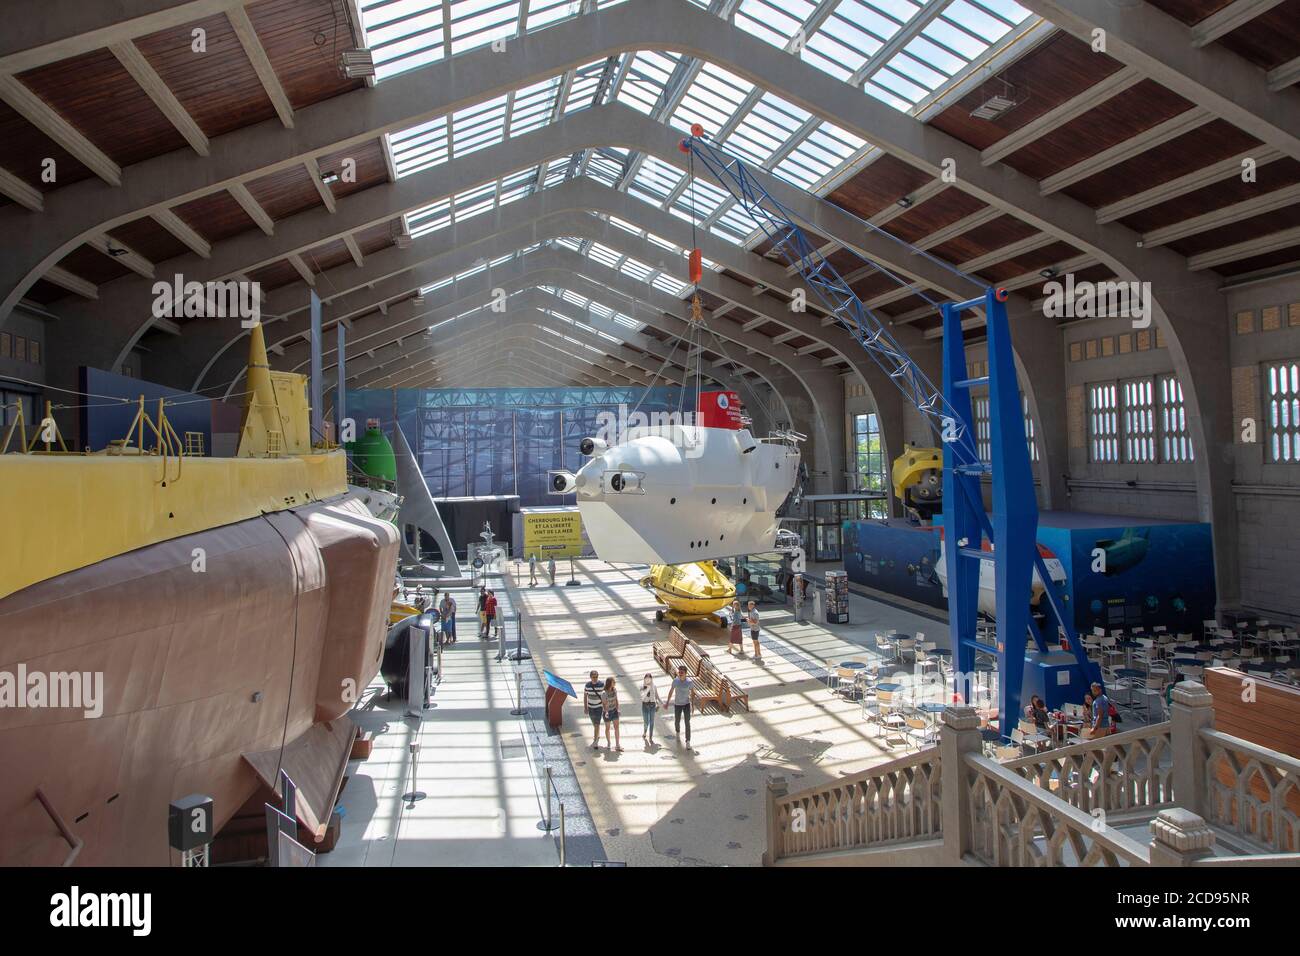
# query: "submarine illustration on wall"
676,494
1125,551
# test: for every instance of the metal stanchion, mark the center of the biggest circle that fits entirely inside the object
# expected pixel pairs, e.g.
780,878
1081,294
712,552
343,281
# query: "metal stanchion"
562,861
547,824
519,710
573,581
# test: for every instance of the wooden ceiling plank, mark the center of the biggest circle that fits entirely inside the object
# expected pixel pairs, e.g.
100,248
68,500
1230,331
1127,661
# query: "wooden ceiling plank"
66,280
1224,216
326,195
181,230
960,227
20,192
134,62
1171,128
124,254
256,53
1234,15
1053,119
1244,250
1207,176
1028,244
251,206
39,113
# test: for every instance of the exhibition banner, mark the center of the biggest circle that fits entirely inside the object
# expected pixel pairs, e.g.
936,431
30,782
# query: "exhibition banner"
552,534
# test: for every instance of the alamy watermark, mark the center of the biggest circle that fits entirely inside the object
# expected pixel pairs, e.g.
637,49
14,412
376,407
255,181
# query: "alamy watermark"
73,690
1098,300
615,428
208,300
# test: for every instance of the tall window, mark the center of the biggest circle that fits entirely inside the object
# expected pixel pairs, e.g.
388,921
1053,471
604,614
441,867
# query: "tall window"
979,406
1139,421
1029,429
869,456
1175,440
1103,423
1282,380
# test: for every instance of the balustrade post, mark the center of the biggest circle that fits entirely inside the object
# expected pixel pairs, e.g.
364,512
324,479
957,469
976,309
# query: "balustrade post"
1179,838
776,790
1192,712
960,735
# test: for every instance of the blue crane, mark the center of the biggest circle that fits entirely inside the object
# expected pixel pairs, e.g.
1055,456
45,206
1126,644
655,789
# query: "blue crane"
1011,529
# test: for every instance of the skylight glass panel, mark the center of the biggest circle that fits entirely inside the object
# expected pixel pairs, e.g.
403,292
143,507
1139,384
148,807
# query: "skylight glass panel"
403,35
824,150
542,13
635,269
586,82
475,23
477,126
419,147
701,197
603,254
773,24
711,99
648,74
533,106
666,283
655,180
429,218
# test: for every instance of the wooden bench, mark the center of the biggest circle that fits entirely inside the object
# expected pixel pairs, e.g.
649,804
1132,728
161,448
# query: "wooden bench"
669,653
732,693
708,685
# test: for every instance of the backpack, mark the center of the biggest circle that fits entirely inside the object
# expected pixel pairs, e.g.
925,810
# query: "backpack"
1114,714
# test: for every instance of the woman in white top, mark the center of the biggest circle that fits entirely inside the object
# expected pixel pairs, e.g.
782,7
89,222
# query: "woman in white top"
650,704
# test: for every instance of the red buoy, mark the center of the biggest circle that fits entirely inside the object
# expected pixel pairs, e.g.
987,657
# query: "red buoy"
697,129
696,266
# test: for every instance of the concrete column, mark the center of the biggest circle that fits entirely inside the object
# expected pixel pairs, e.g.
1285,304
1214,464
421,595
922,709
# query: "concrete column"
776,789
960,736
1179,837
1193,711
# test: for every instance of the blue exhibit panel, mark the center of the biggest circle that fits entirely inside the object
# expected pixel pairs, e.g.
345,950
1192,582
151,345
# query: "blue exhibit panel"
894,557
1135,574
103,420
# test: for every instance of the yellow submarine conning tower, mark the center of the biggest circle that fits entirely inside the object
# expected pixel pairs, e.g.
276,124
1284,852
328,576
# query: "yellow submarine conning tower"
276,418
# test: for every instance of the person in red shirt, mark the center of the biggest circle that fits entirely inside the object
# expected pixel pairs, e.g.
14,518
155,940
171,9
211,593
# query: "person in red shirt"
489,615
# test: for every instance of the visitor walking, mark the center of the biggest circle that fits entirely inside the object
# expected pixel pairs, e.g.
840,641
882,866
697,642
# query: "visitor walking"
550,569
482,603
610,701
736,643
680,695
490,615
650,703
448,611
1102,725
593,698
752,617
532,570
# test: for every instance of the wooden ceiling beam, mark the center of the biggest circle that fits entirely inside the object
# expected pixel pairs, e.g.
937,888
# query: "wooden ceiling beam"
41,115
256,53
134,62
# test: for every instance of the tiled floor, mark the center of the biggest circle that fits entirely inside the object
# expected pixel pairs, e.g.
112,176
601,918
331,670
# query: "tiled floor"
664,805
475,768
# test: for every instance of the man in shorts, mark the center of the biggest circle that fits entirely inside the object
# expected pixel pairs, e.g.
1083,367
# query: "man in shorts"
752,619
593,699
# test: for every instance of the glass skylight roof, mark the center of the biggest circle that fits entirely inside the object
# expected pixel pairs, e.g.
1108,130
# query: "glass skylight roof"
906,53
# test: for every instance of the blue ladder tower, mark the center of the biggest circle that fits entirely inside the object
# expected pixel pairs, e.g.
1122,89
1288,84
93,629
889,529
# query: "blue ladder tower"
1011,530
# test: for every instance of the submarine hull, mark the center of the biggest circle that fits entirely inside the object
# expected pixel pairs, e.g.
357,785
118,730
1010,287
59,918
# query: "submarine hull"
211,679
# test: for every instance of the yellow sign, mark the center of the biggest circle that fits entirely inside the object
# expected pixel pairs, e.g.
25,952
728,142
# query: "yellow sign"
552,533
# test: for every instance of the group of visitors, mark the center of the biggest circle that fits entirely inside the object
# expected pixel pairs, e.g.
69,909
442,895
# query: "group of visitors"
738,621
532,569
602,704
488,625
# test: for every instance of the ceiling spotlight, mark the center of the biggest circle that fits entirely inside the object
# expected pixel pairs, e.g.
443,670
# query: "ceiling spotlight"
329,179
1141,243
114,251
1048,273
905,202
357,64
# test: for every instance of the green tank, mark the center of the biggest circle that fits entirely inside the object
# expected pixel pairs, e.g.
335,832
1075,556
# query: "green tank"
372,454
